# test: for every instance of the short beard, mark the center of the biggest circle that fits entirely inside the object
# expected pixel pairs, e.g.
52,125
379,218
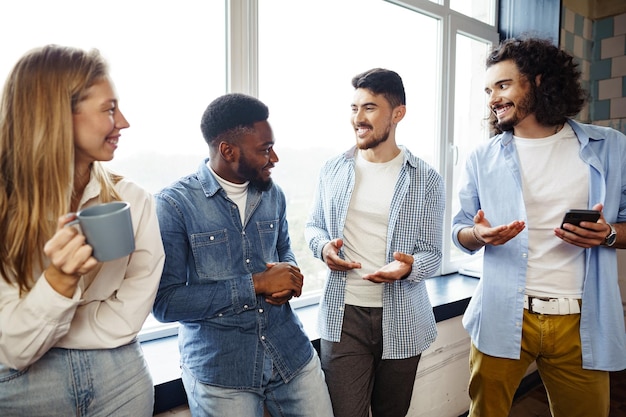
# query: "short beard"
252,175
373,143
525,107
261,185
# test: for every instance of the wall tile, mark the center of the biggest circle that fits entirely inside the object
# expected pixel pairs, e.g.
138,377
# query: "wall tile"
618,66
601,69
619,25
588,49
585,69
612,47
568,41
578,24
569,20
618,108
610,88
624,86
588,29
579,48
593,90
600,110
603,29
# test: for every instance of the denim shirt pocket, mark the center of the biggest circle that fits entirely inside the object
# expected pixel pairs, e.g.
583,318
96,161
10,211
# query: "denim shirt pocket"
268,235
211,254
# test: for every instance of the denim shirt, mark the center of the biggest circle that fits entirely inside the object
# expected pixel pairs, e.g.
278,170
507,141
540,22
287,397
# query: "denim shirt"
226,330
415,227
493,183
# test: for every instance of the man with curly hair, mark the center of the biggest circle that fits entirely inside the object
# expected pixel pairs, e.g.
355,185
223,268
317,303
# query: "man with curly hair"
549,291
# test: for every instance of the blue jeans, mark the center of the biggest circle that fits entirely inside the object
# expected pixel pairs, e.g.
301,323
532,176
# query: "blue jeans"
305,395
70,382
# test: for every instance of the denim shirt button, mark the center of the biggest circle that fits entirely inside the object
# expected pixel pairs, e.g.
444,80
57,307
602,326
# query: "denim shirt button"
271,226
262,337
212,238
247,261
260,310
245,306
243,232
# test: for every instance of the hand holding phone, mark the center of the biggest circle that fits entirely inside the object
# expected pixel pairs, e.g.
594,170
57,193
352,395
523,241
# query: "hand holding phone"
575,216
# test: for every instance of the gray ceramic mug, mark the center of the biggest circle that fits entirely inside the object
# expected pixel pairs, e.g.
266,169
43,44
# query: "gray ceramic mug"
108,229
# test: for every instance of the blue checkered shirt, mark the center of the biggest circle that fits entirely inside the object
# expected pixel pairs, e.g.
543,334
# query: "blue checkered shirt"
415,227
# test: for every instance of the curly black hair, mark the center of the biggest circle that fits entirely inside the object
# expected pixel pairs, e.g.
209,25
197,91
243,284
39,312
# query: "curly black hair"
231,112
559,94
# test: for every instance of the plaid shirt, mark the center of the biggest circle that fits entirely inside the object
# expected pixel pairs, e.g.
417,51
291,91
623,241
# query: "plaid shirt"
415,227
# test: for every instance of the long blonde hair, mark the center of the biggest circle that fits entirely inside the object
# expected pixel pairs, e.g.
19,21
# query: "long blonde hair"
37,153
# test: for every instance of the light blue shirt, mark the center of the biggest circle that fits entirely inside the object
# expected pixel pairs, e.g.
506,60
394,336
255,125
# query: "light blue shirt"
493,184
415,227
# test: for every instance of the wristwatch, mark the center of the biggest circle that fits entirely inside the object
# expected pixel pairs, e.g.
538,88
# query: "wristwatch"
610,239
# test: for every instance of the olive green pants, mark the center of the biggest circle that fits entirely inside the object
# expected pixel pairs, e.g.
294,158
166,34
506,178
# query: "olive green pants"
554,343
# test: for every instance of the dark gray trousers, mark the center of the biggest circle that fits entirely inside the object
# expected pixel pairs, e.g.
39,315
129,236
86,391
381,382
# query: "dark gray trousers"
356,375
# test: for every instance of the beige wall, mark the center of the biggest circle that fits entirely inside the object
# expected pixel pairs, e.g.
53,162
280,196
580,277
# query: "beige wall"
596,9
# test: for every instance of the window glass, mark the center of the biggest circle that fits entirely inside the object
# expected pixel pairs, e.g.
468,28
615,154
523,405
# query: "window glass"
167,61
470,111
306,64
483,10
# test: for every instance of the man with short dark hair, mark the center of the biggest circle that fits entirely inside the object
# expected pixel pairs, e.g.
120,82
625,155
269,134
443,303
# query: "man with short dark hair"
230,272
377,224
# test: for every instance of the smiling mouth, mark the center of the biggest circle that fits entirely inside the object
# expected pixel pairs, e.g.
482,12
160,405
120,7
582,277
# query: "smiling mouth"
499,110
362,130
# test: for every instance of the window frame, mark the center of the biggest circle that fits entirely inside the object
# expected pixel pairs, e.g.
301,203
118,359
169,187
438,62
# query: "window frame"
242,76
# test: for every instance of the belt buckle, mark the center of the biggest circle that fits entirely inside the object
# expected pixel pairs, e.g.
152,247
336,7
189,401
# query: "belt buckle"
530,303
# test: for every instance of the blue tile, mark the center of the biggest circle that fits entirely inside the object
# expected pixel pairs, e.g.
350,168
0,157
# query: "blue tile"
593,91
596,50
600,110
601,70
588,49
603,29
578,24
569,42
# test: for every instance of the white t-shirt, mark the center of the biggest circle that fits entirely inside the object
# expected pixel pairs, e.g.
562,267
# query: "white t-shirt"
365,231
554,180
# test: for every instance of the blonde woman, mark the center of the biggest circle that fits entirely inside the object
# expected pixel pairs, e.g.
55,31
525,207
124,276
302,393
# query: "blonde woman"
68,323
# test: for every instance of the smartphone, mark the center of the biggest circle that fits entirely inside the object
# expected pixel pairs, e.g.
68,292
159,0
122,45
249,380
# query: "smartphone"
575,216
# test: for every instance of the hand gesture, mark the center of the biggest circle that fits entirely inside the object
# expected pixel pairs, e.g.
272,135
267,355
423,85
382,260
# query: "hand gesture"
396,270
498,235
330,254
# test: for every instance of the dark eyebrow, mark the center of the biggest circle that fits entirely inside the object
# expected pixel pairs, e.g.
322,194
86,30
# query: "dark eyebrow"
506,80
364,104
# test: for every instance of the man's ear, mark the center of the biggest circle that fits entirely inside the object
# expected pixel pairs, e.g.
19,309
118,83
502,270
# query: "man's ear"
228,151
398,113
